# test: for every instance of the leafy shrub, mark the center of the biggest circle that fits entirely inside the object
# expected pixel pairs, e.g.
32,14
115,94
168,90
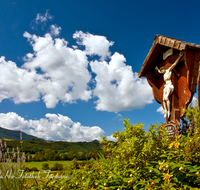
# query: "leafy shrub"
34,169
56,167
26,169
140,160
82,164
45,166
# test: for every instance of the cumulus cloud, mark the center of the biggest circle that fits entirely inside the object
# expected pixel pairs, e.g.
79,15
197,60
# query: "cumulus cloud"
52,127
56,72
64,70
94,44
55,30
16,83
117,87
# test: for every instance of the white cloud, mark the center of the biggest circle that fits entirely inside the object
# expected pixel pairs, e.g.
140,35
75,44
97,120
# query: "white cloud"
94,44
57,72
65,75
194,100
44,17
41,19
52,127
55,31
111,138
160,110
16,83
119,117
118,88
14,122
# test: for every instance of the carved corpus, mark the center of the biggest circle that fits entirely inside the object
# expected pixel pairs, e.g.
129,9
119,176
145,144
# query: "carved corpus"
164,52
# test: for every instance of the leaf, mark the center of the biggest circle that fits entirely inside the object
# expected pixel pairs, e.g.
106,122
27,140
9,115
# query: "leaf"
157,171
153,162
163,155
193,170
175,179
157,180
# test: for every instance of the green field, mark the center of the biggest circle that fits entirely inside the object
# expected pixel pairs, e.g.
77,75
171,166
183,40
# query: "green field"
51,163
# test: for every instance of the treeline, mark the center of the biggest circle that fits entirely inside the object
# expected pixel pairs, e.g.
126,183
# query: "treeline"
35,145
51,155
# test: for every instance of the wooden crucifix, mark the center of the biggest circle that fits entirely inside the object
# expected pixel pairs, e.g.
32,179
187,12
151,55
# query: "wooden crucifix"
171,68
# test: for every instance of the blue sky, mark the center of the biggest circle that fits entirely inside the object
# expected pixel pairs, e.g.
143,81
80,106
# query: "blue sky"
68,69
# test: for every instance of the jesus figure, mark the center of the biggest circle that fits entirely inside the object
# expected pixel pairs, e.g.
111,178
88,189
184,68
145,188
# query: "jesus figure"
168,87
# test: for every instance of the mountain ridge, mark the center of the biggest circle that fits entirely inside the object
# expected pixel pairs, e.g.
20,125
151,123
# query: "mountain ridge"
15,135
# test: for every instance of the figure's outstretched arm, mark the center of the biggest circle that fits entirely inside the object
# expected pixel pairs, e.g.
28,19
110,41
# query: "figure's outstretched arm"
176,62
158,69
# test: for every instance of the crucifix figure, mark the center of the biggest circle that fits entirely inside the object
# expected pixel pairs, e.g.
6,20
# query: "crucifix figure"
168,87
171,68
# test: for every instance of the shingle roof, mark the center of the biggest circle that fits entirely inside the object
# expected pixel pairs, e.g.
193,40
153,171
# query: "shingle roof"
160,45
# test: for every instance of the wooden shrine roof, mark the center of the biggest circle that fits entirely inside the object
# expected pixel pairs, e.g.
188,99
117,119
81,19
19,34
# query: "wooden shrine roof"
160,45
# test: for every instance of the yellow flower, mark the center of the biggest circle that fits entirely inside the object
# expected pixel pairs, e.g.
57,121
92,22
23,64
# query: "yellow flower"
167,176
52,182
171,145
181,168
130,180
160,168
176,144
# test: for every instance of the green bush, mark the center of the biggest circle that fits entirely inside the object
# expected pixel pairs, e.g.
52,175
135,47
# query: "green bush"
45,166
57,167
26,169
34,169
140,160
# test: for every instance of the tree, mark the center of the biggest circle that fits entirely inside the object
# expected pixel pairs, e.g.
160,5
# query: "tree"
49,154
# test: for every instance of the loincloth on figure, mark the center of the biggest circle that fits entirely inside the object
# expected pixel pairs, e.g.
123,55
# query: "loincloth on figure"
168,88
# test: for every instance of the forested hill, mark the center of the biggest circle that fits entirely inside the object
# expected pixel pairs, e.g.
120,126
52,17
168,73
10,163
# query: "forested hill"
32,144
36,145
14,135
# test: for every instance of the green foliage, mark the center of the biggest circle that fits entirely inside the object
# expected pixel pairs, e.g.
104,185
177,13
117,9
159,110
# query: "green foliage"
45,166
139,160
192,114
82,150
34,169
56,167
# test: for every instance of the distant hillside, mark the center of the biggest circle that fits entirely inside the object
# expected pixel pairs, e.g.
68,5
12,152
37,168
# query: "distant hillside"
14,135
36,145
